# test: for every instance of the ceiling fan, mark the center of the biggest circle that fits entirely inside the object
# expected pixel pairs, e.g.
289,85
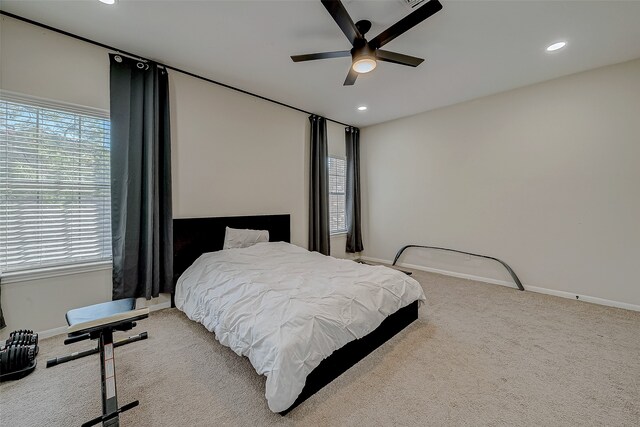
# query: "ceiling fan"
365,54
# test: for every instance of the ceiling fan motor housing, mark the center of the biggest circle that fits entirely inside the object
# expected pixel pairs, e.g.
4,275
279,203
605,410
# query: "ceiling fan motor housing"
362,51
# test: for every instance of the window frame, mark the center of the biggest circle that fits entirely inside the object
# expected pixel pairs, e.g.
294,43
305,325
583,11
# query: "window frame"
72,267
343,158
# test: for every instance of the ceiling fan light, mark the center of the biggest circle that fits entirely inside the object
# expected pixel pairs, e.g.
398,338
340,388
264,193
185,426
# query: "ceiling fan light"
364,65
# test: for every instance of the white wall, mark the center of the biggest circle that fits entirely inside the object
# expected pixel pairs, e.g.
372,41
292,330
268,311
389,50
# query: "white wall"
236,155
239,155
232,154
41,63
546,177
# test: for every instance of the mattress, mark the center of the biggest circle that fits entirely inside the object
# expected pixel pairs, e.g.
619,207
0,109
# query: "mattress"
287,309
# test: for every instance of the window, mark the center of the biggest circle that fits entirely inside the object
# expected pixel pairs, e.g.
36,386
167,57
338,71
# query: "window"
54,184
337,198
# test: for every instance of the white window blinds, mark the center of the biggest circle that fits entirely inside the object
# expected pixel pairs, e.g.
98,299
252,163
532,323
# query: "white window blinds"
54,184
337,199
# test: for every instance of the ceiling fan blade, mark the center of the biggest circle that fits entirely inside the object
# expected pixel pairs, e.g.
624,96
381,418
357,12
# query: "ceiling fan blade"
321,55
406,23
339,13
398,58
351,78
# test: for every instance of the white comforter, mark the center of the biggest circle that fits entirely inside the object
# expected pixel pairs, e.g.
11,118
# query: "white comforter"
287,309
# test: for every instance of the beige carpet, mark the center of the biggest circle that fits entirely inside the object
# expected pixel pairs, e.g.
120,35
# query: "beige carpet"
479,355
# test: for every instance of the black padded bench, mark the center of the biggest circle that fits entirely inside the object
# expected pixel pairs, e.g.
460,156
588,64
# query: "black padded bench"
98,311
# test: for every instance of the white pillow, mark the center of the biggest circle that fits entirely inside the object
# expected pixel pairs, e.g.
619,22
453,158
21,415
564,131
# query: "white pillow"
239,238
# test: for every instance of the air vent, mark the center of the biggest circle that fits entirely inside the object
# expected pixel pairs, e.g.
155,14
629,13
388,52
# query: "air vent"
411,4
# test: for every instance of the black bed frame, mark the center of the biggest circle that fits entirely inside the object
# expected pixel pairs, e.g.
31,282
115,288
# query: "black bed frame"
194,236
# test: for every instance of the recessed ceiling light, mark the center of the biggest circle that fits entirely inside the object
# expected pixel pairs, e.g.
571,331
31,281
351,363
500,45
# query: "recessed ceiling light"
556,46
362,108
107,1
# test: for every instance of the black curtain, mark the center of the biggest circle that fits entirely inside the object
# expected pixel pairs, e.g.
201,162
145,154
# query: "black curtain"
319,190
354,232
2,323
141,217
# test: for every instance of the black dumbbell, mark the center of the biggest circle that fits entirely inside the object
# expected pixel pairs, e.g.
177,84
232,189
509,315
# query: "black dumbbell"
22,337
14,358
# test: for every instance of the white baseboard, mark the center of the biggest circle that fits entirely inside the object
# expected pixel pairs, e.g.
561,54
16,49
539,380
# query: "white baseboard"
161,306
52,332
63,329
584,298
537,289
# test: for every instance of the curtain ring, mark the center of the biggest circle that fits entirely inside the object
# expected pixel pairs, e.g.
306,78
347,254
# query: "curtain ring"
140,65
118,58
147,67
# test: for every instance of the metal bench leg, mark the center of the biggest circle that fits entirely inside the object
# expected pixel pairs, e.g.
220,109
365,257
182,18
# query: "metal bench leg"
108,372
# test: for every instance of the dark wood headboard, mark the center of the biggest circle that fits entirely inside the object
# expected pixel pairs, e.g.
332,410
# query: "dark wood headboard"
194,236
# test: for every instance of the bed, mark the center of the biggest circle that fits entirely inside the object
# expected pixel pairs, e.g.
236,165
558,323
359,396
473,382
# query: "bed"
300,317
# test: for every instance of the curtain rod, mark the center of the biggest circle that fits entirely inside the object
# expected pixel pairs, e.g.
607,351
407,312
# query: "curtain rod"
170,67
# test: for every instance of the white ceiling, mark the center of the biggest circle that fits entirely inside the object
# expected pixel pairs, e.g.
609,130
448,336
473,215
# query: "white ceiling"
472,48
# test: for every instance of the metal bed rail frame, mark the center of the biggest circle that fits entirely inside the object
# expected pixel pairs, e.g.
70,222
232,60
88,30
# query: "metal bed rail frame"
513,274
